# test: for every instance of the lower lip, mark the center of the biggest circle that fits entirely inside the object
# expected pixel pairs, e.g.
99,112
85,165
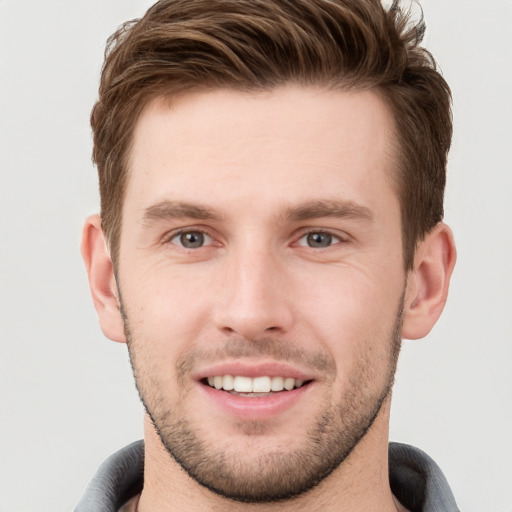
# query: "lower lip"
255,408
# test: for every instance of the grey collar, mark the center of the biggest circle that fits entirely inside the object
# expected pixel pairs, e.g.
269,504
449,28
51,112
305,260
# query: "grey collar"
415,480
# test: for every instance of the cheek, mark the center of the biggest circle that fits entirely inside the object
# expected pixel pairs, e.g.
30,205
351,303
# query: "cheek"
166,313
164,298
352,315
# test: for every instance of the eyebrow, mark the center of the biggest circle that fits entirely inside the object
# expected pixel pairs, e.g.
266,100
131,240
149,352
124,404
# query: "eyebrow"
307,211
329,208
177,210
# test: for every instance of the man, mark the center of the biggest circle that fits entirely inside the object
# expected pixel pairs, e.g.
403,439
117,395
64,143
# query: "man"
271,178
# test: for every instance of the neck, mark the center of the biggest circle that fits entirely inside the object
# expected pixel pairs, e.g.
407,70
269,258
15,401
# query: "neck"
360,483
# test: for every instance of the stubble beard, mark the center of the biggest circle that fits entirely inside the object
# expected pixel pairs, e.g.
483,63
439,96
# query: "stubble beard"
278,475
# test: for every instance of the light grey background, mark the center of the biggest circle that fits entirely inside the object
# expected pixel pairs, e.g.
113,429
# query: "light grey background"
67,395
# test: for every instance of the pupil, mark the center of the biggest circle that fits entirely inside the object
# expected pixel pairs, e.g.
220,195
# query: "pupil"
319,240
192,240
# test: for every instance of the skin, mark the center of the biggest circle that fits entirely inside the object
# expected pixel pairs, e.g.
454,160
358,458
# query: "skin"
254,173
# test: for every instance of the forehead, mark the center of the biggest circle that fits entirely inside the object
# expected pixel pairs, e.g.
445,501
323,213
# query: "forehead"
226,143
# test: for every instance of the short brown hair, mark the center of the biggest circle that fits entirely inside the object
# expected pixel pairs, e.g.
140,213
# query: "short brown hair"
193,45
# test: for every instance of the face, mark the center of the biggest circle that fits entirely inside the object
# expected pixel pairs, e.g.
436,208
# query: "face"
261,279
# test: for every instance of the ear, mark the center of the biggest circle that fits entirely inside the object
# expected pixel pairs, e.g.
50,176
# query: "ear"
101,279
428,282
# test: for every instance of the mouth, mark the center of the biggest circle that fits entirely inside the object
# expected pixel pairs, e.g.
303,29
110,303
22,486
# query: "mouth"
254,387
255,391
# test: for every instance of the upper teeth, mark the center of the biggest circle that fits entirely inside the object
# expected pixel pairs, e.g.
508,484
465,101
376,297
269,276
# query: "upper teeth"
242,384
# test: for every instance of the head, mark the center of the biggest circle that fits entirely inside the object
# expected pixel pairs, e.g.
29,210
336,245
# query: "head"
271,178
182,46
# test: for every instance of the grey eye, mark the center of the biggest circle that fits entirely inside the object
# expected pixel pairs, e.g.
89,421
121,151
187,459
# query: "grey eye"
191,239
318,240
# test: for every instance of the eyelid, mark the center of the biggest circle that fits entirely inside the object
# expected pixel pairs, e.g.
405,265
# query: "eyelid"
334,239
167,238
341,237
171,235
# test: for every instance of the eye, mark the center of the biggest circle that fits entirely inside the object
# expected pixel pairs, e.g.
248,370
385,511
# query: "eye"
191,239
318,240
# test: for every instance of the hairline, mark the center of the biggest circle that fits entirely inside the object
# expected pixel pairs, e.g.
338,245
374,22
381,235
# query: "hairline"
167,96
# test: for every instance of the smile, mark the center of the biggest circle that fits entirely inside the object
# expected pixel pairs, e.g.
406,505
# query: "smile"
254,392
250,386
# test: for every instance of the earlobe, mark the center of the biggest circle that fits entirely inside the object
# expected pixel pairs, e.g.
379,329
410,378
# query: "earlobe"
428,282
101,279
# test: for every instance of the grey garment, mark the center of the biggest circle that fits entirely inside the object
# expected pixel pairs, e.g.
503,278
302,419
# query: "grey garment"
415,480
118,479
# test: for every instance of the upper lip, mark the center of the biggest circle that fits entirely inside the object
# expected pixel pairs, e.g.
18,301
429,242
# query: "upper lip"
247,369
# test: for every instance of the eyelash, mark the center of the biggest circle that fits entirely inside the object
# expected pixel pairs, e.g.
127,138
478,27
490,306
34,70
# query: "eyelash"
172,236
336,238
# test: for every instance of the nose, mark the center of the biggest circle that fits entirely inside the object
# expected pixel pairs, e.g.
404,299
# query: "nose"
254,299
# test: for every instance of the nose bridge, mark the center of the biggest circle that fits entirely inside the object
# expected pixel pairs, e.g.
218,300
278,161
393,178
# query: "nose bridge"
253,301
